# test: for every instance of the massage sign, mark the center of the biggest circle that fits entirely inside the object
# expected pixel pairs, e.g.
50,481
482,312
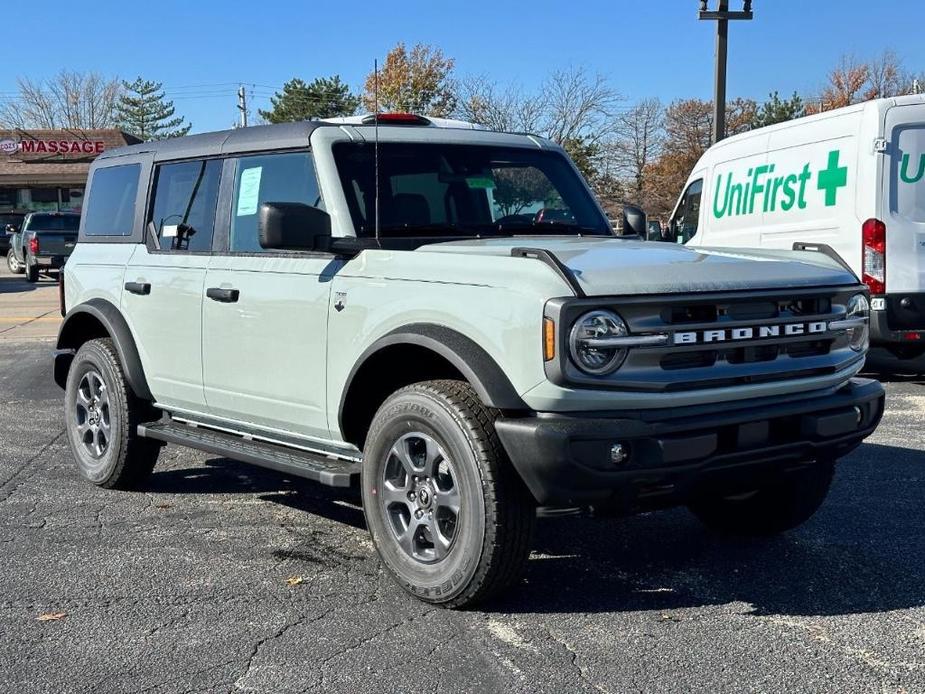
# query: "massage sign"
33,146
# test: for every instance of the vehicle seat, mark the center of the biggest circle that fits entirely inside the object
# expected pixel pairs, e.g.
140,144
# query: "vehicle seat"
411,209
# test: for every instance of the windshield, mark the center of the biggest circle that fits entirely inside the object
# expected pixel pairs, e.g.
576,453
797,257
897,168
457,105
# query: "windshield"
53,222
465,190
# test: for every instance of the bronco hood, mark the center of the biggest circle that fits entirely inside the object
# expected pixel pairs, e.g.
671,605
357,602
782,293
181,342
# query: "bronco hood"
612,266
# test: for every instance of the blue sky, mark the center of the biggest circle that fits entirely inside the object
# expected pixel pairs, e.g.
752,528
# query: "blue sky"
201,49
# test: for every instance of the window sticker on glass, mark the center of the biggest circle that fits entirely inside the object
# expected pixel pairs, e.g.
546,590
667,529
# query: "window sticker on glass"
249,191
480,182
169,231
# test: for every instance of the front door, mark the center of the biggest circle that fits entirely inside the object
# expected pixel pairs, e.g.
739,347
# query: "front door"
163,289
265,315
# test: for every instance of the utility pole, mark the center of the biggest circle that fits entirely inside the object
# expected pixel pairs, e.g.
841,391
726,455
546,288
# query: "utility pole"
242,106
722,16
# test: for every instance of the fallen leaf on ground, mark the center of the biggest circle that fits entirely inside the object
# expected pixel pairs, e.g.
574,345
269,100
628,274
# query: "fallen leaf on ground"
51,616
294,580
163,505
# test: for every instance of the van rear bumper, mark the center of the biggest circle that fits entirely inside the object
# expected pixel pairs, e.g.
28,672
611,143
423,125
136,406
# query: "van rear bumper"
568,460
900,321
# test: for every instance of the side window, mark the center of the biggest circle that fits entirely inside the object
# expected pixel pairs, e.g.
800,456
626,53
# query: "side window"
268,178
183,210
684,223
110,211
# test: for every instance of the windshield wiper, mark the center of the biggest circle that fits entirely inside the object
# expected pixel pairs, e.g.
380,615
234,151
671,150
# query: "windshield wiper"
526,229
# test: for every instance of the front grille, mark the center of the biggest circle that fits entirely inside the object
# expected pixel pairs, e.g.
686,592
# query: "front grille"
742,348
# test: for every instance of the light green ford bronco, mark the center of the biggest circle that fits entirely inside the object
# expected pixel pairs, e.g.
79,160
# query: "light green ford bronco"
443,317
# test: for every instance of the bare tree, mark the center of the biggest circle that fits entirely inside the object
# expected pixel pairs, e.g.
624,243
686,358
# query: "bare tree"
579,106
638,138
80,100
504,108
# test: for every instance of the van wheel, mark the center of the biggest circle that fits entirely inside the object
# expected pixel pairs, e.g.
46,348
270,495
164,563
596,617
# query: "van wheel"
101,416
32,271
775,507
450,517
13,264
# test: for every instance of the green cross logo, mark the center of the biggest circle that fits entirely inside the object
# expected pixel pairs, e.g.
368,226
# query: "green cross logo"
832,178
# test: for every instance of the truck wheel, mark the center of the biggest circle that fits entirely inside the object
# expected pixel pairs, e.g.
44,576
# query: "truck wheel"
773,508
13,264
101,416
32,271
448,514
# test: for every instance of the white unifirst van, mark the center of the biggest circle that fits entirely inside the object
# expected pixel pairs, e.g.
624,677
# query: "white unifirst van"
849,182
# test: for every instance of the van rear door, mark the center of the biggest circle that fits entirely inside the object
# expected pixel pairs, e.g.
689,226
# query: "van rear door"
903,206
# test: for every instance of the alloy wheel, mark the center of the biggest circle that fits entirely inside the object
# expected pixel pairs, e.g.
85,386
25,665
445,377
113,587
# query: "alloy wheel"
419,498
92,412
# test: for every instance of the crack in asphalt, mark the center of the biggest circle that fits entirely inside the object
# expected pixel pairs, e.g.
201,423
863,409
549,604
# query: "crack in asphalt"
5,490
26,322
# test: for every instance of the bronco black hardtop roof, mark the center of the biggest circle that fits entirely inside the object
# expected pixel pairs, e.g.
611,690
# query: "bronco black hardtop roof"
277,136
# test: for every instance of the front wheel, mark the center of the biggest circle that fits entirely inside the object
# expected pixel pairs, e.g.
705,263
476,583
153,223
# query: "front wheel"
448,514
13,264
101,416
776,506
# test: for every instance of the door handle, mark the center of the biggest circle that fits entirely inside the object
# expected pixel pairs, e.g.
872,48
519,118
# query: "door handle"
142,288
226,296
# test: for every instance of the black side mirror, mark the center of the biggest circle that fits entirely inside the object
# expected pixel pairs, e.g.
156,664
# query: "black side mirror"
294,226
634,221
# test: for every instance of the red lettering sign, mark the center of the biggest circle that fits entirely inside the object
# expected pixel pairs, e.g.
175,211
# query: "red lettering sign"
62,146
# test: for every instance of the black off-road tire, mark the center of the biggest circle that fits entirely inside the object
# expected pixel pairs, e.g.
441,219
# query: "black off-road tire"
32,271
127,460
13,264
778,506
494,525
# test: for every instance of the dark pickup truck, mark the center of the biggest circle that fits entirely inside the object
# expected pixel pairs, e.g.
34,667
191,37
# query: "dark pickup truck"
43,244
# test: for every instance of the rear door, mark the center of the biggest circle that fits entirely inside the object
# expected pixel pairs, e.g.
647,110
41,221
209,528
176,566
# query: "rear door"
165,279
56,233
265,316
903,199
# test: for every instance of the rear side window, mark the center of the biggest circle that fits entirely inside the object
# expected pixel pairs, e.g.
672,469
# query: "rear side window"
908,174
286,177
110,209
183,210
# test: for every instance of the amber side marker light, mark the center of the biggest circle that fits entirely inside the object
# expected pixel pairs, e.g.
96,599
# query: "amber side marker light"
549,339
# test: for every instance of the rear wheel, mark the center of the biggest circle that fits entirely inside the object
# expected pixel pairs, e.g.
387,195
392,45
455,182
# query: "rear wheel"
32,270
449,516
775,507
13,264
101,415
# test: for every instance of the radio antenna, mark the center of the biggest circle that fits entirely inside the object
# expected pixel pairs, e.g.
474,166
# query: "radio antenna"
376,146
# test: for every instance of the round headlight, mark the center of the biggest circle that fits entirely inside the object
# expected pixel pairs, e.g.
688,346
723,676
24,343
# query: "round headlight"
594,359
859,337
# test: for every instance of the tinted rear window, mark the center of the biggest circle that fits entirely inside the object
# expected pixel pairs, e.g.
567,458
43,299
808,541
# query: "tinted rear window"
908,199
53,222
110,210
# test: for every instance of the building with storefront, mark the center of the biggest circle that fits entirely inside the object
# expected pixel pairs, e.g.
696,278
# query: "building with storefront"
47,169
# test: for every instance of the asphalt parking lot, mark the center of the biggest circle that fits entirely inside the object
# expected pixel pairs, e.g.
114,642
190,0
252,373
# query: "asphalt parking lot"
221,577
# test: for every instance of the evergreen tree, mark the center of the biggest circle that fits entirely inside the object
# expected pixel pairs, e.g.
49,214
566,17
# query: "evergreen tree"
323,97
777,110
142,111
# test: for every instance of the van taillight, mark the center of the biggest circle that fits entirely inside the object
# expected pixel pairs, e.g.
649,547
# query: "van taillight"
34,245
873,233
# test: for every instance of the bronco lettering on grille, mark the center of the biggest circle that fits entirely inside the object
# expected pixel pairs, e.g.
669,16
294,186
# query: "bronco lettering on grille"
695,337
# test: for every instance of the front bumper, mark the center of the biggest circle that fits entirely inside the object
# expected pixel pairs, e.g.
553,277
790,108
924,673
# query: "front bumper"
566,460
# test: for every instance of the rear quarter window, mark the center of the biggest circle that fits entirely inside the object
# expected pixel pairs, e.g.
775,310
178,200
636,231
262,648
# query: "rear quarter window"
110,209
908,174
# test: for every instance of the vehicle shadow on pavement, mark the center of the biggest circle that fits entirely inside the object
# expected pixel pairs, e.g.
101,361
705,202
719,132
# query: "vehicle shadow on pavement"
886,368
225,476
863,552
10,284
